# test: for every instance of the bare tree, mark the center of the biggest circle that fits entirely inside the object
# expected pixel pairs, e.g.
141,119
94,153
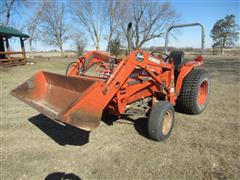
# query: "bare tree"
92,16
9,7
33,26
113,9
80,46
150,19
53,27
6,11
79,41
116,10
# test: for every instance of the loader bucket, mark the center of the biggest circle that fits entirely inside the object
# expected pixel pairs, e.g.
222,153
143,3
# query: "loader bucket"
62,98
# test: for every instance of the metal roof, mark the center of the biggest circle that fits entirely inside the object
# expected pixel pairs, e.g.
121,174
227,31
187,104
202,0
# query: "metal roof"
9,32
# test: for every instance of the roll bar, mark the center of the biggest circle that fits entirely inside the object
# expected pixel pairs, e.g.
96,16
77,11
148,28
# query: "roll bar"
185,25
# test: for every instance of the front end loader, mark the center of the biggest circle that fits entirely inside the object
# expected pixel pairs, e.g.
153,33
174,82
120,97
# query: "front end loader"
98,83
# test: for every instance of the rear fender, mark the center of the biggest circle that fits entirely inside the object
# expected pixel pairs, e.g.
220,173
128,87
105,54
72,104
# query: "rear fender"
185,69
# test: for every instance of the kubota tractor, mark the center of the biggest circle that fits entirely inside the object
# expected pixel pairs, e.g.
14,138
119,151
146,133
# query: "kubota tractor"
96,83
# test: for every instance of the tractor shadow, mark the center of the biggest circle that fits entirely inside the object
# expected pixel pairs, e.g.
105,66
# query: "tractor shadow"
60,133
140,124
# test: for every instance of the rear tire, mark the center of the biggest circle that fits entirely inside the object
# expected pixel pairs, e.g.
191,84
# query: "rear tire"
194,93
161,121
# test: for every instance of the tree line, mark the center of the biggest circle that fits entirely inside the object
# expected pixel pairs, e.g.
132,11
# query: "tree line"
91,22
94,21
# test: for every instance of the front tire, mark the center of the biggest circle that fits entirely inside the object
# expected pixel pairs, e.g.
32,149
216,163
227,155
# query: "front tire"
70,65
195,92
161,120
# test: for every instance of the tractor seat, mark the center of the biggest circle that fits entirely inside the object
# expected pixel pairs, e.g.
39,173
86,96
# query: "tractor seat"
178,58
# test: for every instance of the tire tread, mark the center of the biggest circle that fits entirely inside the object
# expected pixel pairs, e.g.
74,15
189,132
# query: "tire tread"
186,101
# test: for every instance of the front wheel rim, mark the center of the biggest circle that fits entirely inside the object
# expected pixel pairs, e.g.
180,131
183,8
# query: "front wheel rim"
167,123
202,93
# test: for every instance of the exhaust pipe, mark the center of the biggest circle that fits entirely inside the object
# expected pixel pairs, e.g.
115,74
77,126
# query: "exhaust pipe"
129,37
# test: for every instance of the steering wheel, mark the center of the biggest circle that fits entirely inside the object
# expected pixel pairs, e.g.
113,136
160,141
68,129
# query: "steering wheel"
161,53
103,73
101,64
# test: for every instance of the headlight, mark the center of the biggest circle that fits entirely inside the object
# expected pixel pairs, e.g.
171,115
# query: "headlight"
140,56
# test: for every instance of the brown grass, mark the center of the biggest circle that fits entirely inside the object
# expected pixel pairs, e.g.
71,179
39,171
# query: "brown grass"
206,146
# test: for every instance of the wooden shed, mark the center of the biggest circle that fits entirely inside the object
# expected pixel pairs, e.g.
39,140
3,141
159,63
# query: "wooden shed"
8,57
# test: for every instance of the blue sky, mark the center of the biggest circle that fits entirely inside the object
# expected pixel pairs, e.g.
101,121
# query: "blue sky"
207,12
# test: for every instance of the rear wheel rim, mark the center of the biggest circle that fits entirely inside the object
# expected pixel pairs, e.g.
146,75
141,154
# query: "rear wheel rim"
202,93
167,123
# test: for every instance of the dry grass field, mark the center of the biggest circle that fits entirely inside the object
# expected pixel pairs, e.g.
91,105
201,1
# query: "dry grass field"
205,146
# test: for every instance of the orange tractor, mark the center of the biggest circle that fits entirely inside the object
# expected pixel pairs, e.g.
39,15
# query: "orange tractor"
97,83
